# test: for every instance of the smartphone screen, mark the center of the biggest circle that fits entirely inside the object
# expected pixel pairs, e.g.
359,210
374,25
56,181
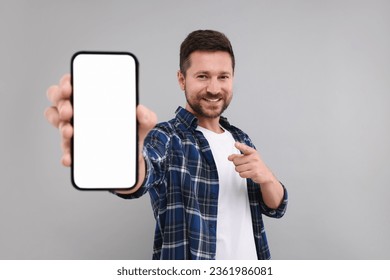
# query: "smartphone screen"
105,97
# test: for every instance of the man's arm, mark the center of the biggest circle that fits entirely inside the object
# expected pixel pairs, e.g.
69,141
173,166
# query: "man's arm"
250,165
60,113
147,119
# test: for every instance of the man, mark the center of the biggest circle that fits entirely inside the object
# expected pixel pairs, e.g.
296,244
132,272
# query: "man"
208,185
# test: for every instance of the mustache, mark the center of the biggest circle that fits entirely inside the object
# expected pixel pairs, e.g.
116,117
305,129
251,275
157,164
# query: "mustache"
210,95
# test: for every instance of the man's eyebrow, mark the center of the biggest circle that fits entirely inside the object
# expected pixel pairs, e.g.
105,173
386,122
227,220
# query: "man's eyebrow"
225,73
202,72
208,72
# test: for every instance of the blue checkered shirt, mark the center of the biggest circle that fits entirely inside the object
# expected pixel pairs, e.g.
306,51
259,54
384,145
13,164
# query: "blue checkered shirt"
182,181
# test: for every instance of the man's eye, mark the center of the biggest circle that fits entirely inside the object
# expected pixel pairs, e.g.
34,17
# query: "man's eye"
224,77
202,77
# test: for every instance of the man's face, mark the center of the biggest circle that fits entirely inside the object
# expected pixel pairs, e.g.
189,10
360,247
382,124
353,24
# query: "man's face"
208,83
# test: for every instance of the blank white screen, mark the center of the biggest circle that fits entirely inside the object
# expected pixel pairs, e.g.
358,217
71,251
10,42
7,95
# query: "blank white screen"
104,103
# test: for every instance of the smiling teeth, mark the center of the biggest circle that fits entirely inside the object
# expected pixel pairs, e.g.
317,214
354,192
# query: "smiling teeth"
212,100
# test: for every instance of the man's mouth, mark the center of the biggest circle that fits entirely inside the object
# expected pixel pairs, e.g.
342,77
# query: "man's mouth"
212,99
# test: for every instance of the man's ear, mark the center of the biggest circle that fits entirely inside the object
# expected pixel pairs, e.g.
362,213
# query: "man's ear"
181,80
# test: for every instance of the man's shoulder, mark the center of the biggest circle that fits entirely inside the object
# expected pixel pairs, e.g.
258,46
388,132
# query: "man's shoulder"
240,135
165,129
236,130
166,126
232,128
166,135
174,126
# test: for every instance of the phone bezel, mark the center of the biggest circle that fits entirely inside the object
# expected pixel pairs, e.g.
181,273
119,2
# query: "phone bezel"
136,124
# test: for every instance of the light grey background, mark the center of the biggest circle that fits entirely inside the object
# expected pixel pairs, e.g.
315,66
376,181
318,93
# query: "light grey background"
312,90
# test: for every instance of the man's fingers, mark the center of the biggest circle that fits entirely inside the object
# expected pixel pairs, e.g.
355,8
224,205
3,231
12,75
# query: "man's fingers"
234,156
59,92
249,164
52,116
65,79
53,93
60,113
242,168
248,154
239,159
66,130
66,133
245,149
65,146
66,87
245,174
66,160
65,110
242,148
147,119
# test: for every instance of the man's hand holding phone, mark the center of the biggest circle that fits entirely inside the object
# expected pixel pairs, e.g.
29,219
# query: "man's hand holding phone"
61,115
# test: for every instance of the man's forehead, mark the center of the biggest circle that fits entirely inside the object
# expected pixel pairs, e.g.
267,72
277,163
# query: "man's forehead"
207,61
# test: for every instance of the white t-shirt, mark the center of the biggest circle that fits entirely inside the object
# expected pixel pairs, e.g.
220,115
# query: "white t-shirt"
235,238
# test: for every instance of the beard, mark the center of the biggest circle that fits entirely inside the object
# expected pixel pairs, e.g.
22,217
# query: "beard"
207,109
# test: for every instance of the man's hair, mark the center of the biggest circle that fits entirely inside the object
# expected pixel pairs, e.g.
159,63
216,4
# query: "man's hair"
203,40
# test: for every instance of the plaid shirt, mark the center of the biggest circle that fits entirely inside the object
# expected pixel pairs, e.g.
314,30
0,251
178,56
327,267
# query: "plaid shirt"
182,181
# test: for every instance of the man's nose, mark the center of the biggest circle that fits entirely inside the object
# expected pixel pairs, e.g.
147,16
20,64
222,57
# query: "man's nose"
214,86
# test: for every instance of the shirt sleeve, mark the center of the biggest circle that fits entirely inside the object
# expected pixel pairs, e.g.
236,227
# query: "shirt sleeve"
275,213
155,153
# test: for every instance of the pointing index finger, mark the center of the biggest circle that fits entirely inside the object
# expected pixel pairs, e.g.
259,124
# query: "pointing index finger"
245,149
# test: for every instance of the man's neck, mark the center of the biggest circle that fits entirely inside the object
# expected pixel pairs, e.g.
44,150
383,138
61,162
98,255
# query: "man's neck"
211,124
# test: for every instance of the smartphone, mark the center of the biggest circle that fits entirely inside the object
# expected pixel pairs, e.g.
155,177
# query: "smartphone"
105,96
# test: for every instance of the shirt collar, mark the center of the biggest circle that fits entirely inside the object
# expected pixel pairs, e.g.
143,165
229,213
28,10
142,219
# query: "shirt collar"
190,121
